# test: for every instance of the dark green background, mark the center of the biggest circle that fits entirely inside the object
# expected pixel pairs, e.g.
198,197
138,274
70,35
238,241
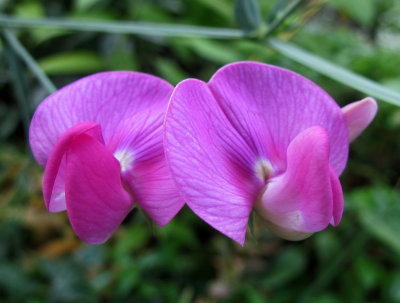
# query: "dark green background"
41,260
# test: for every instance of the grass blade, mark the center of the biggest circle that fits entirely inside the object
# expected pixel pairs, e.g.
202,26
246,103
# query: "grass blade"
336,72
283,16
27,58
149,29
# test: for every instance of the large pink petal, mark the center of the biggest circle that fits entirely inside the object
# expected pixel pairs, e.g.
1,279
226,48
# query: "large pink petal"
54,174
96,201
301,198
359,115
141,154
106,98
269,106
211,163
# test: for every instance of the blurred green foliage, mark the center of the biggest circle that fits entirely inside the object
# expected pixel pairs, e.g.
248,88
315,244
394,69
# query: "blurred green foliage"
41,260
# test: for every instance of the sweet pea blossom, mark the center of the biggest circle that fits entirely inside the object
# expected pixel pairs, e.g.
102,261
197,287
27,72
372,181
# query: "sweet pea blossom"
100,141
261,137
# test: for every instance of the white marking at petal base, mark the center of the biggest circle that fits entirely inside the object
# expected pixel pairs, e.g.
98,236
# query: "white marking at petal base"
125,158
263,169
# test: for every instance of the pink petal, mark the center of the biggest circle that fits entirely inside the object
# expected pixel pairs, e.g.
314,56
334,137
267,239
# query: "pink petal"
144,167
54,174
269,106
301,199
337,196
106,98
210,162
139,147
97,203
154,190
359,115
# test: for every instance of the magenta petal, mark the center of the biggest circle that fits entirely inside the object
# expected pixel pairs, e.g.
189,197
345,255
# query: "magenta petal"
154,190
359,115
144,169
269,106
106,98
97,203
337,196
210,162
54,174
301,199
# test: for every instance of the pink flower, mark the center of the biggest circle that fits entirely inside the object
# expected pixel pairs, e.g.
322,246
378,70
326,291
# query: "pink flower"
100,141
259,136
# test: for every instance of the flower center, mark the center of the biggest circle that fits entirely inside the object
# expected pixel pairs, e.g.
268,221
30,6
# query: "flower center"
125,158
263,169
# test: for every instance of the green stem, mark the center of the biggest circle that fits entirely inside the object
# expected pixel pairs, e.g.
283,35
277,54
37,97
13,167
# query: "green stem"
335,71
27,58
149,29
19,84
286,13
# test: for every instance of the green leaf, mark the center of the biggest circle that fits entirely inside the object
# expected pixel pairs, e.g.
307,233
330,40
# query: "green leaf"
336,72
378,210
213,50
139,28
360,10
71,63
247,14
170,71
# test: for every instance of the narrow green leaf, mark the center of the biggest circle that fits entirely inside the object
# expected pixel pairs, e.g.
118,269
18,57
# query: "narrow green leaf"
139,28
281,17
19,49
336,72
247,14
71,63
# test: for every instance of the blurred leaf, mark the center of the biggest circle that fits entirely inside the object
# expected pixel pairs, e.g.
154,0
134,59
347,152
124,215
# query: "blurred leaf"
287,266
247,14
360,10
327,245
139,28
84,5
131,240
29,9
379,212
336,72
79,62
394,287
9,119
170,71
213,50
15,282
223,8
370,273
68,283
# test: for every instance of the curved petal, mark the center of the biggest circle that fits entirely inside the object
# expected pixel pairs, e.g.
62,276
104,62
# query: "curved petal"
141,154
54,173
210,162
106,98
301,198
269,106
337,196
359,115
154,190
96,201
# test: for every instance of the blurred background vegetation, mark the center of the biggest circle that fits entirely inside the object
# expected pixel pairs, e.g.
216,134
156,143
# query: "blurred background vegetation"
41,260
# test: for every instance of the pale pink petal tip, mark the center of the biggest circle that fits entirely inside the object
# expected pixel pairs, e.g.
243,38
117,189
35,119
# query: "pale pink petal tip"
97,203
300,201
359,115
